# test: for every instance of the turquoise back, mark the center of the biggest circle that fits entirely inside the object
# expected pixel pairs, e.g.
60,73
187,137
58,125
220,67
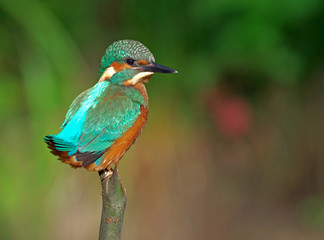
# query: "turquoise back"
97,118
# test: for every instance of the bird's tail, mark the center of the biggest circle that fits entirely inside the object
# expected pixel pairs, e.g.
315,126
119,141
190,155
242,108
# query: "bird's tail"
65,150
59,144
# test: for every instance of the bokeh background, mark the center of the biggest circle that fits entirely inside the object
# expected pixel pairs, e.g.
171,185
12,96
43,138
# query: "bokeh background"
234,145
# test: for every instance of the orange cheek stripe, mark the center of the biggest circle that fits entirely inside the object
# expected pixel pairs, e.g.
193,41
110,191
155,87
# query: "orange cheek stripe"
115,67
142,62
119,66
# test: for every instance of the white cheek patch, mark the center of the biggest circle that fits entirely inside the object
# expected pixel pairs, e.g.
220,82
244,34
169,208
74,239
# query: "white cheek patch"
108,73
138,77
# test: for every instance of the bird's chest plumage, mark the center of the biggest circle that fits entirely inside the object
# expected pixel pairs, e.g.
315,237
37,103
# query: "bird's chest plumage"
104,121
101,124
112,107
121,144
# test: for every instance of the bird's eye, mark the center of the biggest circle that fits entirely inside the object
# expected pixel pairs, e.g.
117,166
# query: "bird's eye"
130,61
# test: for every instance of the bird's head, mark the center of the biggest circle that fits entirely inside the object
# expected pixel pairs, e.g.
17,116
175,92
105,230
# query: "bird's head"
127,62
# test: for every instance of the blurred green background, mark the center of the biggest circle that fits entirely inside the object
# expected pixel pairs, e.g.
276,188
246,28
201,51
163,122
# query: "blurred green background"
233,148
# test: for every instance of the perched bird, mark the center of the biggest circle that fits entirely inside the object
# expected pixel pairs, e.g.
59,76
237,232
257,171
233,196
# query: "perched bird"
105,120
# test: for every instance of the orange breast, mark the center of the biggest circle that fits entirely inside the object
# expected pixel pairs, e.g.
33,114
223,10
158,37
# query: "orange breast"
116,151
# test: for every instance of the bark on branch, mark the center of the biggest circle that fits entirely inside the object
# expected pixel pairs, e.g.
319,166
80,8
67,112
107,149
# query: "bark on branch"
113,205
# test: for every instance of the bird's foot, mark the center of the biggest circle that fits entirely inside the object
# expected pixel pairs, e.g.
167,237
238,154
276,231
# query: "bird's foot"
105,173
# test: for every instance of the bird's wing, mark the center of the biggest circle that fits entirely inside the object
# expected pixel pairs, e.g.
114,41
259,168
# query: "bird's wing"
104,123
76,104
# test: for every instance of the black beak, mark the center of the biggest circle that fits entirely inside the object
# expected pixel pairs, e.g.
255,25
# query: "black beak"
154,67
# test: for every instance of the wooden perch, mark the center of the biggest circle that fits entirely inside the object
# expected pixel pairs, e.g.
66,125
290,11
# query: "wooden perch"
113,205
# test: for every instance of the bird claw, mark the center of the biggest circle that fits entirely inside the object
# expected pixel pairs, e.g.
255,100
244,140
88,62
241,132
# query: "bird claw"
104,174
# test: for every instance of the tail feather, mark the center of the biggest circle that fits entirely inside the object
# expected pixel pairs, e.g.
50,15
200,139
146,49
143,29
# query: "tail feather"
60,144
63,149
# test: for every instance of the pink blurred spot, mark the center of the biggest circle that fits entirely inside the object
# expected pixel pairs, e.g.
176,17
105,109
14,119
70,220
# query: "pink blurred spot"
232,114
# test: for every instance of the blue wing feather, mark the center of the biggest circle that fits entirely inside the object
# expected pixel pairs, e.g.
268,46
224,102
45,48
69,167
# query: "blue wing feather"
75,106
112,118
67,139
96,119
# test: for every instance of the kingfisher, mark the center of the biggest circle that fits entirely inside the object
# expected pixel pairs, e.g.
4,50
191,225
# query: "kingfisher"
105,120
